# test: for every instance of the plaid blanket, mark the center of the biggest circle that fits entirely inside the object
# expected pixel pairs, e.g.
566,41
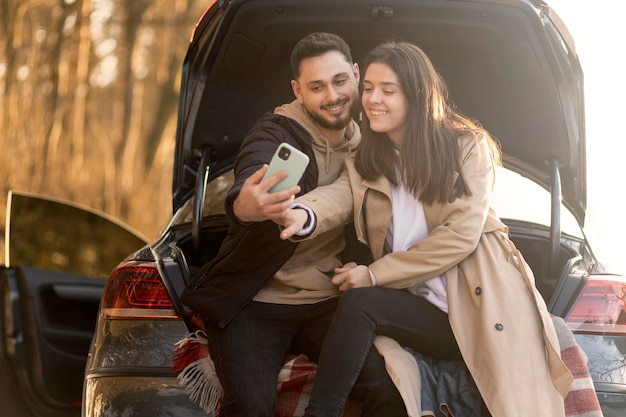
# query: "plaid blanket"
581,401
192,363
196,373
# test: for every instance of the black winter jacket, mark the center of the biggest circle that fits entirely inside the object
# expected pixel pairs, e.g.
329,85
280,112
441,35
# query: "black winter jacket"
250,254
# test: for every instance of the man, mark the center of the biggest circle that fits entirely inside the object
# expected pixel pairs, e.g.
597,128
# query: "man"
262,297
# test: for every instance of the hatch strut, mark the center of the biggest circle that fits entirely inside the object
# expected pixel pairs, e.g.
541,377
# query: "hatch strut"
555,218
202,177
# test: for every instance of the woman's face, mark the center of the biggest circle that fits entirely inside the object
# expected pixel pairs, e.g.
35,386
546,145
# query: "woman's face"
384,102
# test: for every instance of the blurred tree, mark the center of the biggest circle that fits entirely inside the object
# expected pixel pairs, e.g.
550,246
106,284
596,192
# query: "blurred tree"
88,100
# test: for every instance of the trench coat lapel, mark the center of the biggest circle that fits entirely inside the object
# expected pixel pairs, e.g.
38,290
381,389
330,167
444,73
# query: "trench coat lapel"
376,211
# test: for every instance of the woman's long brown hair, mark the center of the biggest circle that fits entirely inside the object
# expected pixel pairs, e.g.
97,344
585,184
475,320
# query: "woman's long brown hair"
429,154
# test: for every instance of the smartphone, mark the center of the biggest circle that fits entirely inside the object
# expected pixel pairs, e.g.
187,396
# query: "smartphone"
287,158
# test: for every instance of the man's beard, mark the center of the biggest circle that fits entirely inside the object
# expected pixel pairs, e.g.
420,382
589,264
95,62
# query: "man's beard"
336,123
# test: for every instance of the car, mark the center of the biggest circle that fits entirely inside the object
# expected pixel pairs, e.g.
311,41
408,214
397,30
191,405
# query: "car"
510,64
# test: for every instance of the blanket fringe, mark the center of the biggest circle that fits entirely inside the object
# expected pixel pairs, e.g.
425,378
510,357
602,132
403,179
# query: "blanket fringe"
197,372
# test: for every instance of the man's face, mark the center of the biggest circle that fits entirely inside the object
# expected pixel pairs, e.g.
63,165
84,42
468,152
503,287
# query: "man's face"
328,89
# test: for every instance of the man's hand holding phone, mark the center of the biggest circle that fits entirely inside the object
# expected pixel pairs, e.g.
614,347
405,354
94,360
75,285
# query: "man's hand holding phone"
256,204
268,193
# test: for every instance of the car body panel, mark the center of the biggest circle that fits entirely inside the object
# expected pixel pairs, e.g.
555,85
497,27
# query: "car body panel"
152,396
606,355
607,364
134,374
137,344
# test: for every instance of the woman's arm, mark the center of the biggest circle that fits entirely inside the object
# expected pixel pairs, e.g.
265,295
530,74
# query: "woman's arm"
331,205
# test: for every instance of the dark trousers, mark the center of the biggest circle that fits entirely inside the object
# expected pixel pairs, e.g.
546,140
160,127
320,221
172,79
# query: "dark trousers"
363,313
249,353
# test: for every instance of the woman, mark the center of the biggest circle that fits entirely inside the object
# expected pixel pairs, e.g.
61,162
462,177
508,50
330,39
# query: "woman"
446,281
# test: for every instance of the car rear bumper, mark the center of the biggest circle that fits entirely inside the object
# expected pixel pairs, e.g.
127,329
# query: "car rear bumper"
147,395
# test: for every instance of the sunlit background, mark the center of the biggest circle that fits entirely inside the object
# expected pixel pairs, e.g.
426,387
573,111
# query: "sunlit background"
125,170
598,27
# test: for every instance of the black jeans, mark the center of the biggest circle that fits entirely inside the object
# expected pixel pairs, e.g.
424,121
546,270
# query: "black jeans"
363,313
251,350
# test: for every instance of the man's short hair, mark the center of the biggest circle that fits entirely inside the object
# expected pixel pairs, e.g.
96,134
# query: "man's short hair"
316,44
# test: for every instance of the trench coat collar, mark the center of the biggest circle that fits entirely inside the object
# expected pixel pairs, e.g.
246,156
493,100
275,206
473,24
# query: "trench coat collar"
380,184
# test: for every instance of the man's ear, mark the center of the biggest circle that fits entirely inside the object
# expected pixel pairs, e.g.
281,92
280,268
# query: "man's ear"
356,72
296,90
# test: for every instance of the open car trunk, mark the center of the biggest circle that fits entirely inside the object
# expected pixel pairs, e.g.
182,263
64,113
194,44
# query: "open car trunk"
499,68
523,83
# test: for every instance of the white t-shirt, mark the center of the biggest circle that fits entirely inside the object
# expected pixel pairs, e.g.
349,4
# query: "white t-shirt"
408,226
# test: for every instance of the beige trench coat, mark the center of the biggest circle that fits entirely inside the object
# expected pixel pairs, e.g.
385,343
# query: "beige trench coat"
499,319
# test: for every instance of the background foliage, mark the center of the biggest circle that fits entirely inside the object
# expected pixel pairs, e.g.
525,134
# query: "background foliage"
88,100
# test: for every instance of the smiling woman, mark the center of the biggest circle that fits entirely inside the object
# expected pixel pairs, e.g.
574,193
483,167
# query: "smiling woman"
597,41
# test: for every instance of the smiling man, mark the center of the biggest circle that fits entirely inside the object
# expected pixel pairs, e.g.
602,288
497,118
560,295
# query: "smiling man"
262,297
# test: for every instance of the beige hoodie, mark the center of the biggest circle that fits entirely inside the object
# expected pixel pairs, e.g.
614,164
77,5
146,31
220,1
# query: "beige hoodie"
305,277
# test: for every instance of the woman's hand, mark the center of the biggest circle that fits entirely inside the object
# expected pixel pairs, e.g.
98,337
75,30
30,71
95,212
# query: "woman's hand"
352,275
293,221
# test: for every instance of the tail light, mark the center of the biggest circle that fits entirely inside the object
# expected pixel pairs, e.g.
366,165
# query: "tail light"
600,306
135,290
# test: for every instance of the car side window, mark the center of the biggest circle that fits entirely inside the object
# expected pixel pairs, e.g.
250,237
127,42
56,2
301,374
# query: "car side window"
61,236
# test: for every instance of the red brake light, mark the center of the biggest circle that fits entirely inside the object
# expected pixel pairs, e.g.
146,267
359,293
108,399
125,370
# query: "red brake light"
135,290
600,306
